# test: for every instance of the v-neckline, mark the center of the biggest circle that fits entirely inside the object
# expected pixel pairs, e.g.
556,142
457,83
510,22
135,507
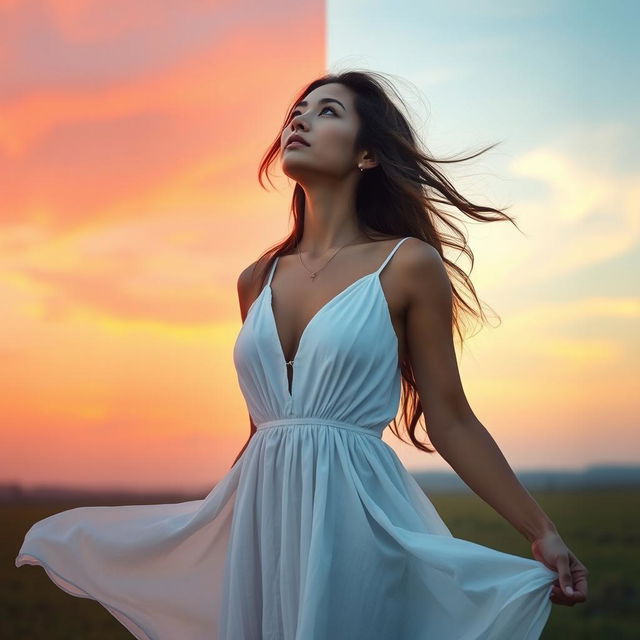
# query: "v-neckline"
274,324
313,317
284,363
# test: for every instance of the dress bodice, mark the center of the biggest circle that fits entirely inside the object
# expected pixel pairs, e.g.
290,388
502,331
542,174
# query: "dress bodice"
346,366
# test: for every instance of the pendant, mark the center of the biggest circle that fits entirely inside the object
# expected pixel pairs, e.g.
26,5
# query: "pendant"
313,275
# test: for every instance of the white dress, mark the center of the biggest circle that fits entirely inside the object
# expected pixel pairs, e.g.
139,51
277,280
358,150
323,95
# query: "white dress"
318,532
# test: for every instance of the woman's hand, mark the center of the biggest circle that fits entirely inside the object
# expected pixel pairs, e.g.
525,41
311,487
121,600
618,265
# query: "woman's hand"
571,586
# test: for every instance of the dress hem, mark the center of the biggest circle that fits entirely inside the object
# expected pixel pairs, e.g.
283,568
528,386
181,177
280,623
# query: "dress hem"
60,581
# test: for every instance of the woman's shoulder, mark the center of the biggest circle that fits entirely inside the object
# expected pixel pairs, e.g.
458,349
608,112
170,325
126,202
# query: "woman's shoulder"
249,283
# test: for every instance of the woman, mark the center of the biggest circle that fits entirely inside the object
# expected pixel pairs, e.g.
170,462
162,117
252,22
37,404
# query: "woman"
318,532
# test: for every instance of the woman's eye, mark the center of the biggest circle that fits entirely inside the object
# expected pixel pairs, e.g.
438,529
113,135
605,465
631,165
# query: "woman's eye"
323,108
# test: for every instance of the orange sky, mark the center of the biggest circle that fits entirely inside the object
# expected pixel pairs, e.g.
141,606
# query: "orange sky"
129,204
129,153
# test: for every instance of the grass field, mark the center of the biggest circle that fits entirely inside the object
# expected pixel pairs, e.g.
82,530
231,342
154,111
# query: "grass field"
601,527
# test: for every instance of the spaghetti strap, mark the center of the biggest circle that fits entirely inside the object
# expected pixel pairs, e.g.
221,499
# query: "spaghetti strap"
273,268
383,265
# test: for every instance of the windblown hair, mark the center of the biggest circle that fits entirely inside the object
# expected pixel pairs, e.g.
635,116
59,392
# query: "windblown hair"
398,197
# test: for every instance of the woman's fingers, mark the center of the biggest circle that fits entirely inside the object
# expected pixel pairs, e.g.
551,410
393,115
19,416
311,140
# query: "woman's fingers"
578,580
564,573
579,574
570,587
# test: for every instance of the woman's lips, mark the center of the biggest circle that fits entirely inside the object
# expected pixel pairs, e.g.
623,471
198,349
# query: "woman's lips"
294,144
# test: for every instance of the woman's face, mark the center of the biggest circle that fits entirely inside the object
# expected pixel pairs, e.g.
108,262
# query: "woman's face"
330,130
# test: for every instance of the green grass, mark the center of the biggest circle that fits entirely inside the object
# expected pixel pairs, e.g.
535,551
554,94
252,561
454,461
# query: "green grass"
601,527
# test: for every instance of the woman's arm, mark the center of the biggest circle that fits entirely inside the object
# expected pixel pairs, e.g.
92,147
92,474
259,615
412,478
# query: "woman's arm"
246,286
455,431
469,448
452,427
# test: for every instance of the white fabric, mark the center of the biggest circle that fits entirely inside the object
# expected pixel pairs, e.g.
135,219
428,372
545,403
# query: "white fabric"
318,532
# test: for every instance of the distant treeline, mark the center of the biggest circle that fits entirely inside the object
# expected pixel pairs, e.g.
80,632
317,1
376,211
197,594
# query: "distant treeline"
593,477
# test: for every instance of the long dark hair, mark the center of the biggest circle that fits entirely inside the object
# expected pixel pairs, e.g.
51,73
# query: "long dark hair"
398,197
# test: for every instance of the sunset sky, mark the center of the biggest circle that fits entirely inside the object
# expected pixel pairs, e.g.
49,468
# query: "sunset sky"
130,138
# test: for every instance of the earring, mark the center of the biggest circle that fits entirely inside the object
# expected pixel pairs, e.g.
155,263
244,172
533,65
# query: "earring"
360,166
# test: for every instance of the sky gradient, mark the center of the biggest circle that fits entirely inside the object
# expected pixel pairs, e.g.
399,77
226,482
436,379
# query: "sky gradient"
130,136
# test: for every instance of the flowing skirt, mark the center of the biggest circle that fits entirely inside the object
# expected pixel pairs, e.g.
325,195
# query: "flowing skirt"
314,534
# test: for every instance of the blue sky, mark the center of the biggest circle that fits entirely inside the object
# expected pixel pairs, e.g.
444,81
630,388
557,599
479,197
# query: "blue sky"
556,83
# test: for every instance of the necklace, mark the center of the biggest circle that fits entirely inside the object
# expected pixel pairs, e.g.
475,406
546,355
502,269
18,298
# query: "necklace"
313,274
